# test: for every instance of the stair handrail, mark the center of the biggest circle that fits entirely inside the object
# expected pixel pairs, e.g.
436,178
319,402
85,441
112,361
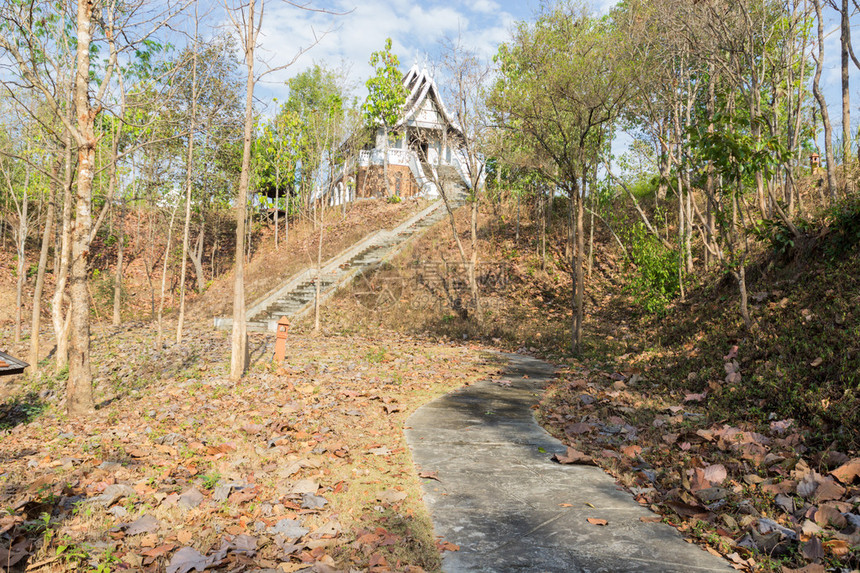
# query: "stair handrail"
276,293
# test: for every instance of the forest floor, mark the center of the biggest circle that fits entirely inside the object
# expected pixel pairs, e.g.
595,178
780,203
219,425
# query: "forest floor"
297,465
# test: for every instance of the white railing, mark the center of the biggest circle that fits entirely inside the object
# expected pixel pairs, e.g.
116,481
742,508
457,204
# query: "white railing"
366,158
408,158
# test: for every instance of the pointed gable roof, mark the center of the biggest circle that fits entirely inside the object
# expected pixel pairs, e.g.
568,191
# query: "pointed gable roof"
420,86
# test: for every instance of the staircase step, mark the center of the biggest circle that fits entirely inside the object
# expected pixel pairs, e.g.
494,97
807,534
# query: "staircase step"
372,254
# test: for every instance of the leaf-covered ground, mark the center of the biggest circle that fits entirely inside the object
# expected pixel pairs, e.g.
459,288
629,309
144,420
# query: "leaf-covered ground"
298,466
746,492
731,434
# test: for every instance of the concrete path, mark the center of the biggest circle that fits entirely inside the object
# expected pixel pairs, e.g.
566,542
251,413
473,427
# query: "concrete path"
500,497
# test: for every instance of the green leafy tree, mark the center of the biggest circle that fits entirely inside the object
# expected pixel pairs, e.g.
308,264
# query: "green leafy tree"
562,81
276,157
385,98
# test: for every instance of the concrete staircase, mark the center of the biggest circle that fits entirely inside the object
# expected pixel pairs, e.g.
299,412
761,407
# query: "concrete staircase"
295,297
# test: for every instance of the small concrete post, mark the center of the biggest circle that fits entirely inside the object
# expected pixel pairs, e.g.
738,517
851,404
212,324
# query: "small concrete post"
281,339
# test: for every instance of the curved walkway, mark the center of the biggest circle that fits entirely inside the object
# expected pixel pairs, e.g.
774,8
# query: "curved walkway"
510,508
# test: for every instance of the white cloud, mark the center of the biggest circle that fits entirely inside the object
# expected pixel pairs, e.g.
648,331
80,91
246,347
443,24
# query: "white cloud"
416,30
485,6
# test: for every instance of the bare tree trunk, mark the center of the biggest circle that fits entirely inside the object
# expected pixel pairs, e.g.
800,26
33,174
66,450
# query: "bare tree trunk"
160,336
117,280
79,391
542,246
60,318
518,219
385,162
318,282
688,232
197,259
47,238
21,246
580,279
845,38
709,183
239,337
822,104
682,226
473,260
591,235
664,171
189,167
740,273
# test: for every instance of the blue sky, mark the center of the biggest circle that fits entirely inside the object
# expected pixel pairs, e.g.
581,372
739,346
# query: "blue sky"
417,27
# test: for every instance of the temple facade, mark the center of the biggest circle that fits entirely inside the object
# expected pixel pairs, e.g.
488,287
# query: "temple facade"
425,150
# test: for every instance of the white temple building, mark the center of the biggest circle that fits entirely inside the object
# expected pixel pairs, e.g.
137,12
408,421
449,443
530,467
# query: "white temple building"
425,150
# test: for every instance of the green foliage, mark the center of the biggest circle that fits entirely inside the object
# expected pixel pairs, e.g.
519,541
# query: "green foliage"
735,152
843,232
292,147
211,480
653,282
394,199
377,356
385,92
561,81
777,234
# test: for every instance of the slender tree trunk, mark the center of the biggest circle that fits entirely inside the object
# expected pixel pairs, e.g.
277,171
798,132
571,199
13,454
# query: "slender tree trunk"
318,282
517,240
688,232
580,278
385,162
159,339
239,338
47,239
664,172
189,169
682,227
21,247
845,38
197,259
61,319
79,391
542,206
709,182
287,217
591,233
117,280
822,104
473,260
740,273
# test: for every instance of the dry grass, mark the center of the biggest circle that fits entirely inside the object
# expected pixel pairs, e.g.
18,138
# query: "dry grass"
270,267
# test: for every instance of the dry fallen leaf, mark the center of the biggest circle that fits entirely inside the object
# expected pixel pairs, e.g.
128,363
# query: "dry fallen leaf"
847,472
716,474
631,451
838,547
597,521
574,457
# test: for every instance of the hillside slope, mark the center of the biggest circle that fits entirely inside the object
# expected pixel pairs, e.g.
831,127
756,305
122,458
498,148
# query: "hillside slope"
729,434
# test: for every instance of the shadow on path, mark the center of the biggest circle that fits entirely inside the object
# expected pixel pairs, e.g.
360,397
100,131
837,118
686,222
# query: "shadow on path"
510,508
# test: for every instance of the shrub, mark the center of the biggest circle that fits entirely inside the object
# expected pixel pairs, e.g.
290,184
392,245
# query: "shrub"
653,282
